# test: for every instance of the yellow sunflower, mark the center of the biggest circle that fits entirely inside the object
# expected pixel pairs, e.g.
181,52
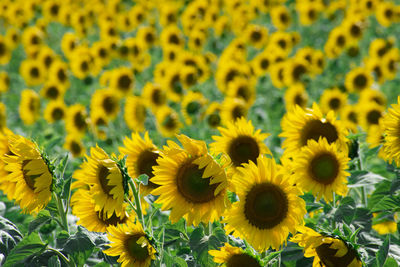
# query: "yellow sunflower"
370,114
33,72
300,125
391,122
55,111
29,107
327,251
230,256
269,207
321,169
333,99
154,95
385,226
358,79
372,95
142,156
30,173
52,90
135,113
105,100
105,180
4,82
296,95
130,244
212,115
3,117
192,104
76,120
233,109
350,117
121,81
84,208
168,121
191,183
240,142
74,145
6,185
242,88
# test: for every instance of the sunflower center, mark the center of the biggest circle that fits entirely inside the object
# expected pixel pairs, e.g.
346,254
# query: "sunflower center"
282,43
52,92
244,92
388,13
2,49
243,149
230,76
29,179
145,162
214,120
75,148
352,116
149,38
176,85
298,71
57,114
174,39
355,30
109,104
264,64
284,18
84,66
340,40
373,117
61,75
328,258
192,185
34,72
157,97
54,10
334,103
140,112
255,36
124,82
113,220
135,250
102,174
34,104
266,205
311,14
170,122
102,53
324,168
299,100
243,259
48,60
193,107
238,112
79,121
315,129
360,81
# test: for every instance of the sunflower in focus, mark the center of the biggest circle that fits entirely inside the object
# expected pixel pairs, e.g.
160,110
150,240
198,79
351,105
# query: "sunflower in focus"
104,178
142,156
30,173
191,183
300,125
129,242
230,256
321,169
391,122
240,142
269,207
327,251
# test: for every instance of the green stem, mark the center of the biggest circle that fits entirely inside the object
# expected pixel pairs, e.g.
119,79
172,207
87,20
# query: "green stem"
364,197
138,205
62,256
61,212
334,206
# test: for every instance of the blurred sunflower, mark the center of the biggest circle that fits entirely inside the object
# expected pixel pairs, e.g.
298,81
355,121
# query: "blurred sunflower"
242,88
3,117
135,113
321,169
30,173
191,183
212,115
52,90
192,105
7,186
333,99
33,72
326,250
55,111
130,244
269,207
233,109
142,156
4,82
350,117
240,142
29,107
76,119
121,81
59,73
372,95
104,178
256,35
280,17
391,122
74,145
105,100
296,95
5,51
370,114
384,225
168,122
99,120
358,79
231,256
154,96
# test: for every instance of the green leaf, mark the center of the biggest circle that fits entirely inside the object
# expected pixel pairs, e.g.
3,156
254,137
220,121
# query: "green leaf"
386,203
219,233
80,245
9,237
143,178
346,210
54,261
42,218
395,187
179,262
390,262
382,253
29,246
195,238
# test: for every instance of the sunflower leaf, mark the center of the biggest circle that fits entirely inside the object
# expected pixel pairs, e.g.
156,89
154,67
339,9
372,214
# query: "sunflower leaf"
386,203
143,178
346,210
42,218
382,253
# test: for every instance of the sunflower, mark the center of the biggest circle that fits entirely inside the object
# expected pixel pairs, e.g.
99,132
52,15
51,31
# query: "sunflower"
5,51
69,43
99,121
278,74
372,95
55,111
52,90
135,113
350,117
300,125
172,35
58,72
268,207
104,178
6,186
233,109
84,208
13,37
242,88
192,104
168,121
76,120
33,72
240,143
121,81
333,99
231,256
260,64
296,95
385,13
30,173
309,12
321,169
74,145
142,156
280,17
384,225
172,82
4,82
358,79
390,63
29,107
212,115
3,117
130,244
191,183
256,35
391,122
295,70
370,114
154,96
327,251
105,100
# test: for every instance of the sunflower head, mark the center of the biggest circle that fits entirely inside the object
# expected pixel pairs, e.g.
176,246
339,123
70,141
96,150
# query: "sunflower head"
233,257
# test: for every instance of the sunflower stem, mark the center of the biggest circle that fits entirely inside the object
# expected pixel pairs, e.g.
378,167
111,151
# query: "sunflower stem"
61,211
364,197
62,256
138,205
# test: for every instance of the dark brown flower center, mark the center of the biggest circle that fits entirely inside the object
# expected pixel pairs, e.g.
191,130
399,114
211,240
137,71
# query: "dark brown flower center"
170,122
255,36
352,116
158,97
328,258
34,72
192,186
2,48
109,104
146,160
57,113
298,71
341,40
266,205
214,120
314,129
373,116
300,100
264,64
243,259
102,174
61,75
242,149
29,178
324,168
193,107
124,82
113,220
135,250
80,121
52,92
360,81
334,103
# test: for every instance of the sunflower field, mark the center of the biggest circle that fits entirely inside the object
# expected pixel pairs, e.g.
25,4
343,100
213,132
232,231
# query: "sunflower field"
236,133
